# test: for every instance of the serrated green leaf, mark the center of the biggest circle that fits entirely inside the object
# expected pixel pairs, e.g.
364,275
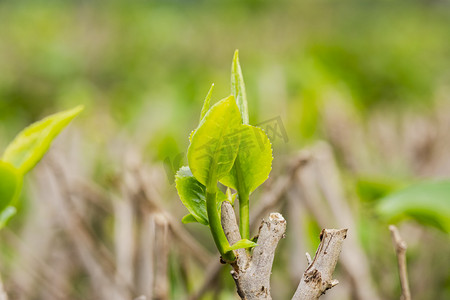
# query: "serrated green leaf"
190,135
30,145
253,163
215,143
6,215
427,202
10,184
238,87
206,103
189,218
243,244
193,195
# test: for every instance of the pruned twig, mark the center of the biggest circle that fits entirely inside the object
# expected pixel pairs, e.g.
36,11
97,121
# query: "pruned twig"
320,188
400,248
318,276
252,275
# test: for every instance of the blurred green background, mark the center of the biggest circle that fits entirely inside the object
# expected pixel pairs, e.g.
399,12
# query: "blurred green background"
372,78
132,58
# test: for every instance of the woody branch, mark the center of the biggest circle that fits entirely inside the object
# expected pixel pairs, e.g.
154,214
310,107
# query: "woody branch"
252,273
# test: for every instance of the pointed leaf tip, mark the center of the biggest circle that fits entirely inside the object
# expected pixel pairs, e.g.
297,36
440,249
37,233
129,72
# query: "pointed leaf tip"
10,184
238,88
76,110
30,145
6,215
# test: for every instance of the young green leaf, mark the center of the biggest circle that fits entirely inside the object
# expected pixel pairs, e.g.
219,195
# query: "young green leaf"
238,87
215,143
189,218
10,184
193,195
243,244
211,155
251,168
30,145
245,176
253,163
427,202
6,215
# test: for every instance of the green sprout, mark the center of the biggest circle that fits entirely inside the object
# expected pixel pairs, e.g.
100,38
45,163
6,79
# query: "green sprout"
224,148
23,153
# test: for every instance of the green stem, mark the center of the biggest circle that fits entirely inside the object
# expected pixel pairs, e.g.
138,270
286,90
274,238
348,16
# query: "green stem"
244,216
215,226
244,210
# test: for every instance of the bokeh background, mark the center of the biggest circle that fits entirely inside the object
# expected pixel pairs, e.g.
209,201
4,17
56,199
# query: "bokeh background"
359,90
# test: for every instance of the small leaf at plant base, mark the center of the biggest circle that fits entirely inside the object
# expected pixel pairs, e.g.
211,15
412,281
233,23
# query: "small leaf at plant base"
253,163
30,145
215,143
238,87
193,195
6,215
189,218
427,202
243,244
10,184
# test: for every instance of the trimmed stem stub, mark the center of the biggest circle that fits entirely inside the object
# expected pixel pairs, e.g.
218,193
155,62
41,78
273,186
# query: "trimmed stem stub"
252,274
318,276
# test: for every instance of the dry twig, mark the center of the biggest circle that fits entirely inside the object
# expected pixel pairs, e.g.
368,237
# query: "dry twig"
320,180
318,276
252,275
400,248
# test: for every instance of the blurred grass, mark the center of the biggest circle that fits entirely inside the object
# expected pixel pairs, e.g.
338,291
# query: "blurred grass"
159,59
